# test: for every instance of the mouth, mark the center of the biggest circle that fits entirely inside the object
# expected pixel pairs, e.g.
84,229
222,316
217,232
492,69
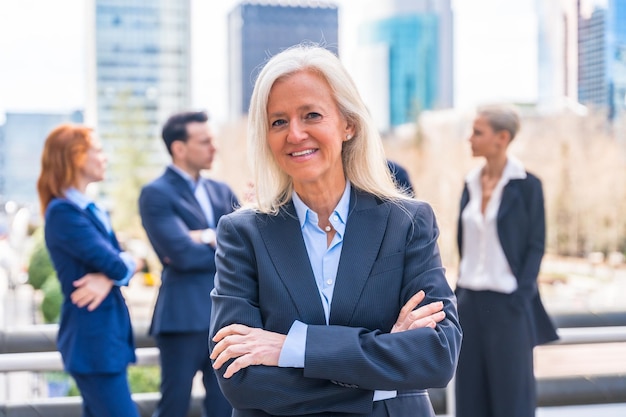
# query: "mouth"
305,152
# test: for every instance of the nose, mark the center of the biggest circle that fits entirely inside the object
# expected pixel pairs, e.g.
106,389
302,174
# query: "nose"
296,132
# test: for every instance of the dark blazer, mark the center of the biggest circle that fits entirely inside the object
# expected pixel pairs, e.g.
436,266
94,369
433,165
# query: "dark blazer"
401,176
100,341
522,231
264,280
169,210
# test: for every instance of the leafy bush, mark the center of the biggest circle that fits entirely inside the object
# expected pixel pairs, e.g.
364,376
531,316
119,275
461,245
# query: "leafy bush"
140,379
144,378
39,266
52,299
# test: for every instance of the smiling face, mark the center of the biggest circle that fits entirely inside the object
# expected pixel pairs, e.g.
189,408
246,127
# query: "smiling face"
306,131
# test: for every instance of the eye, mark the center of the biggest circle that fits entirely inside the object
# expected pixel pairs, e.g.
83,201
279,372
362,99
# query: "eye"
313,115
278,123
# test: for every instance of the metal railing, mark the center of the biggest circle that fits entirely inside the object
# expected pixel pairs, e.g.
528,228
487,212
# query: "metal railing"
33,349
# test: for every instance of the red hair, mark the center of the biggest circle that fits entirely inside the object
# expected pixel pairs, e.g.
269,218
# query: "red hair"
63,154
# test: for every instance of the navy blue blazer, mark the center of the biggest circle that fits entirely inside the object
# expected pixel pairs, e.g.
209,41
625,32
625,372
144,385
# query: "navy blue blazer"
522,233
264,280
100,341
169,210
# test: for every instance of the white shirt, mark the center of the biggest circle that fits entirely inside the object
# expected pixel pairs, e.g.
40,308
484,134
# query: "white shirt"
484,265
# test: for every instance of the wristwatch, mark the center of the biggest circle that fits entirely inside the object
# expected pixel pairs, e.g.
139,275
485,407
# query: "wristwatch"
208,237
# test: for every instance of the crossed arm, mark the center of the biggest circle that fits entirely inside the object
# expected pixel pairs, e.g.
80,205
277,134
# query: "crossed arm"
254,346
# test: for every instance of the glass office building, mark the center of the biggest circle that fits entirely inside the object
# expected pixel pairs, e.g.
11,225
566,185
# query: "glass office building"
602,58
140,73
417,38
557,54
412,63
258,30
21,143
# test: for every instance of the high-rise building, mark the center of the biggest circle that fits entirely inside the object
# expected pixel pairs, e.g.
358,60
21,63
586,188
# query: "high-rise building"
557,53
259,29
602,57
409,58
21,142
139,72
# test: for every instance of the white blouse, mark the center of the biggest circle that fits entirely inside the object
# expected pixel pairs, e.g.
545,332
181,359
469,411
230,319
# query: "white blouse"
484,265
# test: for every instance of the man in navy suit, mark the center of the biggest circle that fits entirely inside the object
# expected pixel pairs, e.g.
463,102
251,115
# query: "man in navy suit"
180,211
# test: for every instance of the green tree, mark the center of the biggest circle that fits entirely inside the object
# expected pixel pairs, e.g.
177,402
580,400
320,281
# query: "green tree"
52,299
39,266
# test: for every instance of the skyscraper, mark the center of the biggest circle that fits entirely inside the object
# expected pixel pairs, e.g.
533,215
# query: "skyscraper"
410,54
21,143
139,72
558,53
257,30
602,57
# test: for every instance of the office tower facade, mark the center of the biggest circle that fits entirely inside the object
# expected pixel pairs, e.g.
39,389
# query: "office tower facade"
411,57
602,57
259,30
557,54
21,143
139,68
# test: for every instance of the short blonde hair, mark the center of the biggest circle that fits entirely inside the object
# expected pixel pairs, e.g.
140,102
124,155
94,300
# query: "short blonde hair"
501,117
363,156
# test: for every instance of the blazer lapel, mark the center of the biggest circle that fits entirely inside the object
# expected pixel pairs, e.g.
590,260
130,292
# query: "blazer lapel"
92,216
218,209
283,239
96,221
511,195
363,236
181,188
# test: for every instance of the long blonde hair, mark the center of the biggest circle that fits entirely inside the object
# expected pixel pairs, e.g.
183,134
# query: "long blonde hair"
363,156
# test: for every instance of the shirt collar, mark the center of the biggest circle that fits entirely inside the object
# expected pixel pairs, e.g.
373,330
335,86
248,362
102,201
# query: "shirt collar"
188,178
341,210
78,198
513,170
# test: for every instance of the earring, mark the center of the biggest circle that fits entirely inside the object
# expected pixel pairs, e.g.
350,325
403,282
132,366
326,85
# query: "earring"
348,136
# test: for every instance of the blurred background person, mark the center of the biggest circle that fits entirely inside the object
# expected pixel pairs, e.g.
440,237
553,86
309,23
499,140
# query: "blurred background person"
179,211
318,282
401,177
95,336
501,238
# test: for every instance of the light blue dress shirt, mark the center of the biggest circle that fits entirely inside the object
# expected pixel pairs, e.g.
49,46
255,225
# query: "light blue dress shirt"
82,201
200,193
324,260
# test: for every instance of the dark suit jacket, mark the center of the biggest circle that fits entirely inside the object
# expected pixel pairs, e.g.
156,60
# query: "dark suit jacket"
100,341
264,280
522,232
401,176
169,210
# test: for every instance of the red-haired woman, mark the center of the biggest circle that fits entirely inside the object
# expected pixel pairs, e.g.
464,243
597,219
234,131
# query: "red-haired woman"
95,336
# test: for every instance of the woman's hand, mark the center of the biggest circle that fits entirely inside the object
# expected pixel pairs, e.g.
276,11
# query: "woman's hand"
248,346
91,290
425,316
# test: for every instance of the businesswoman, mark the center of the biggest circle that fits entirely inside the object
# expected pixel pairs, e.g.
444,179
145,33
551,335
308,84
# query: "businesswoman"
95,337
317,285
501,234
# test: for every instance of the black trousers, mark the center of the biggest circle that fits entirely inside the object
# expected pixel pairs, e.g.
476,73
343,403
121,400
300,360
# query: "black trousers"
495,376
